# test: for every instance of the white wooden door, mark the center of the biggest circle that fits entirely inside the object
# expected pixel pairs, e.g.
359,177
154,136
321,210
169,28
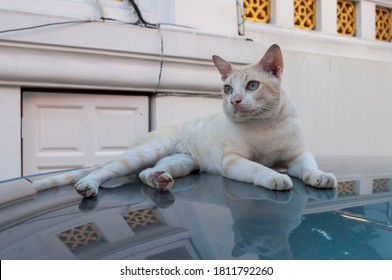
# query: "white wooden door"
62,131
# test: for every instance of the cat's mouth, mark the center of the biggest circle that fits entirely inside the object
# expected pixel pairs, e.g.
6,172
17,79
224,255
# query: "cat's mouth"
240,112
246,112
243,114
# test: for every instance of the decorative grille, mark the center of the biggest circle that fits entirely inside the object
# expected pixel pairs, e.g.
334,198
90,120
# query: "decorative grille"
346,188
257,10
346,17
383,24
380,185
305,14
81,238
139,220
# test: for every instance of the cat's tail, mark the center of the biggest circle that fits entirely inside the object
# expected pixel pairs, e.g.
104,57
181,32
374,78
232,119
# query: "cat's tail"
63,179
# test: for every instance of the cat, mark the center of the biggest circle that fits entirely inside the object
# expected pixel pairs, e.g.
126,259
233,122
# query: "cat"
258,130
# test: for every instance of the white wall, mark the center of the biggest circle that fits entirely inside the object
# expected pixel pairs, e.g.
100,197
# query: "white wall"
218,16
345,103
341,84
168,110
10,127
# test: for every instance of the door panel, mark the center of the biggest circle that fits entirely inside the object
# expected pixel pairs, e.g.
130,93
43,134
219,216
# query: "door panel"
60,128
62,131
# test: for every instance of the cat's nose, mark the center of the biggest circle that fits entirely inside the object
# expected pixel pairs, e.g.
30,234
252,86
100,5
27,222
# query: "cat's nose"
235,99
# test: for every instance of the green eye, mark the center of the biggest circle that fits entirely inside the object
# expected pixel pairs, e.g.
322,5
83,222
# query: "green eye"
252,85
228,89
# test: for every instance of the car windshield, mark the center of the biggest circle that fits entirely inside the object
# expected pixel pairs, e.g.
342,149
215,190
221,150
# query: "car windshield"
204,216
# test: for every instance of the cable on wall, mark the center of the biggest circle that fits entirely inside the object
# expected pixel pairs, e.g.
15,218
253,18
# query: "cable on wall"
45,25
161,62
140,22
240,17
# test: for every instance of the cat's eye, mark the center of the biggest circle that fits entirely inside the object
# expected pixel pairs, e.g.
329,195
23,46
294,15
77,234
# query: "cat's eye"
252,85
228,89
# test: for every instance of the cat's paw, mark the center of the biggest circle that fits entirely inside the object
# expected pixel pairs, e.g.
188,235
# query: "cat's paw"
160,180
87,187
163,181
275,181
319,179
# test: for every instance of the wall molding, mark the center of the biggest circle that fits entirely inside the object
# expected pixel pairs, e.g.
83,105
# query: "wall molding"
113,56
102,55
316,42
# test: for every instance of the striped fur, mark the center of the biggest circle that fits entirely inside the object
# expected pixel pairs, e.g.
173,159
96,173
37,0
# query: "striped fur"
258,129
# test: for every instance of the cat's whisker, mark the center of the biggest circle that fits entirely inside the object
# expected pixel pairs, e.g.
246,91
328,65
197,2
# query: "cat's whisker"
267,111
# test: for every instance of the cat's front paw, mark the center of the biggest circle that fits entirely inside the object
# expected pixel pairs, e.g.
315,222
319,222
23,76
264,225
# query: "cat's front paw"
319,179
276,181
87,187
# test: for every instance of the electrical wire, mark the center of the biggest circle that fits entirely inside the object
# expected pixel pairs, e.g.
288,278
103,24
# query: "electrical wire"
140,21
241,18
143,22
45,25
161,63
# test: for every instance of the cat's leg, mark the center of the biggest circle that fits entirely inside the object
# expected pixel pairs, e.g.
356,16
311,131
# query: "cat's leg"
305,168
89,185
241,169
161,175
144,153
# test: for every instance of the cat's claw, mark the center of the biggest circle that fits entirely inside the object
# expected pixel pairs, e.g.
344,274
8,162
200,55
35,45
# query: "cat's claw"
319,179
86,188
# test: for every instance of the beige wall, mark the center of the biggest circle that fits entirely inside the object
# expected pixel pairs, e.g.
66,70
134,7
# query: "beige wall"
168,110
10,127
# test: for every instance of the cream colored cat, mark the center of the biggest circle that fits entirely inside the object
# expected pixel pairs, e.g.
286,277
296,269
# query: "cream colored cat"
258,130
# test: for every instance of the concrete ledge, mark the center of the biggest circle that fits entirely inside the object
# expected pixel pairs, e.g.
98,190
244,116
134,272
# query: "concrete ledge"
15,190
356,167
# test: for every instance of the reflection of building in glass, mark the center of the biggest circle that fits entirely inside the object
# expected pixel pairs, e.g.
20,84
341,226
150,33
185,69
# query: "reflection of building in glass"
81,238
143,219
208,217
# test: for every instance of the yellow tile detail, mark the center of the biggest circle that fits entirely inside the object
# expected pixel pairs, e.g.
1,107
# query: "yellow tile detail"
305,14
142,219
380,185
346,17
257,10
383,24
81,237
346,188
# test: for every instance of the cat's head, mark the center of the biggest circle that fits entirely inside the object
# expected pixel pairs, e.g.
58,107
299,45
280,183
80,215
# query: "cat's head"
252,91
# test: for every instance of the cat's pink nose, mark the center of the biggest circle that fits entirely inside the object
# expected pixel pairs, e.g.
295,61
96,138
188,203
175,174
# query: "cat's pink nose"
235,99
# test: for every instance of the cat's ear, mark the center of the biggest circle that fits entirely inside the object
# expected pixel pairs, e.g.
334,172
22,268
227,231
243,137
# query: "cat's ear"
272,61
223,66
